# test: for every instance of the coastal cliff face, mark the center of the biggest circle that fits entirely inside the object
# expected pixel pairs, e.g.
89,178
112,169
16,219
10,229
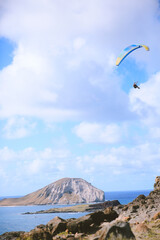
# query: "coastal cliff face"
63,191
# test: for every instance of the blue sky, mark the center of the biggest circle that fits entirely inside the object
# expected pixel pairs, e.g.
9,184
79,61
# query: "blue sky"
66,110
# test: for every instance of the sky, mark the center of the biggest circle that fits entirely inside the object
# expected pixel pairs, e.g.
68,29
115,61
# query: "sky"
66,109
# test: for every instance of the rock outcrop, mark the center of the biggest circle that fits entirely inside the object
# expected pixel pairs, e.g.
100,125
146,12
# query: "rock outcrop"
143,207
117,231
143,214
157,183
63,191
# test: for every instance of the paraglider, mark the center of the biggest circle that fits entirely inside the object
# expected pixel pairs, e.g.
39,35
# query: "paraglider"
135,85
126,52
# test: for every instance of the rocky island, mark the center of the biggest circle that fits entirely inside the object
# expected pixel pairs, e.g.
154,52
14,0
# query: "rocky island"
63,191
138,220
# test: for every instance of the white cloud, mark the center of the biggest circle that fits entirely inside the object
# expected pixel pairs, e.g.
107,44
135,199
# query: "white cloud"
7,155
35,166
18,128
43,167
154,132
29,166
78,43
98,133
146,103
64,49
138,159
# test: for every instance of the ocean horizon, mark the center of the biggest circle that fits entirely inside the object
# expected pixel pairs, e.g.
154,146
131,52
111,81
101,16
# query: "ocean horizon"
12,218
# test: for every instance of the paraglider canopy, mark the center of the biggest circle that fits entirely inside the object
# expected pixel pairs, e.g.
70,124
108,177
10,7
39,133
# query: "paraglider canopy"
127,51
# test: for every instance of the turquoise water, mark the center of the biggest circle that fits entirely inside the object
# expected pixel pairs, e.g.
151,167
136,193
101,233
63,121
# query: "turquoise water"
12,219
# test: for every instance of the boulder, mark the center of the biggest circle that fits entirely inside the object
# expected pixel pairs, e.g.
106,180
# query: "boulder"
55,220
90,222
110,214
97,217
56,225
80,225
117,231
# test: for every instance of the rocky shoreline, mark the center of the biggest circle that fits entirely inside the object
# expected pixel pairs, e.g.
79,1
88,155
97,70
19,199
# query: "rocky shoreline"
139,220
79,208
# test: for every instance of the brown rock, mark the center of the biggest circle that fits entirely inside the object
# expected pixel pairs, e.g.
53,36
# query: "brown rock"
119,230
55,220
110,214
156,216
141,227
80,225
36,234
157,183
56,225
140,197
97,217
11,235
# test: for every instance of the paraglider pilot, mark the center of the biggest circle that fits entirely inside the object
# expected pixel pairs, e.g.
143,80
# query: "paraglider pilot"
135,85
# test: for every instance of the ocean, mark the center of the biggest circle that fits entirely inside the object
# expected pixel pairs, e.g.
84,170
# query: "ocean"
12,219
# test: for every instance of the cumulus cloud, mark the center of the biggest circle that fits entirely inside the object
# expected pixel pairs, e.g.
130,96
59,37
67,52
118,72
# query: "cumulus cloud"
35,166
139,159
147,102
43,167
7,155
98,133
18,128
29,165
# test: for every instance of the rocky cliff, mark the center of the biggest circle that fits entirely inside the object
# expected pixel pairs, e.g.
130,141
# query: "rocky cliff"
63,191
157,183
